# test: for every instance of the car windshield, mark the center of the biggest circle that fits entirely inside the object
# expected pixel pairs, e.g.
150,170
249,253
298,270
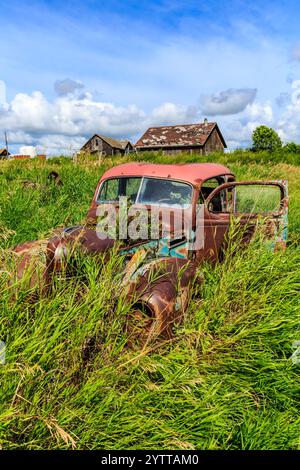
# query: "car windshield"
152,191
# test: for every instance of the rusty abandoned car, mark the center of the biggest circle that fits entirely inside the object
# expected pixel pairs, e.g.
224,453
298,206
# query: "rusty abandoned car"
159,270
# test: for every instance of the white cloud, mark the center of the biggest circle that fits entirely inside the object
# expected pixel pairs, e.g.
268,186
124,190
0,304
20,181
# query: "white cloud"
289,121
237,133
68,120
231,101
238,130
285,120
55,143
19,137
63,124
68,116
170,113
259,112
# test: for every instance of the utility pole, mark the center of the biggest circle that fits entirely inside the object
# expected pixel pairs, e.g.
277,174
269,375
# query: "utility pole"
6,144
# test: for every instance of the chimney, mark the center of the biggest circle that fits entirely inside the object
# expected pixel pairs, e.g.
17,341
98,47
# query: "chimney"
205,122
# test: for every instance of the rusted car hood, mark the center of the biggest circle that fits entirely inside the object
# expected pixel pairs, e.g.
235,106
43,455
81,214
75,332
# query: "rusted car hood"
48,254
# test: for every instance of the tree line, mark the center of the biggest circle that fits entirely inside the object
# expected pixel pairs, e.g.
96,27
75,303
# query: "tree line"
266,138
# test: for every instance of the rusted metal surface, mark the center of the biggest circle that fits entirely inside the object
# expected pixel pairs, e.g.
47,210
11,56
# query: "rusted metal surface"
54,177
163,287
158,274
216,225
193,173
30,258
187,136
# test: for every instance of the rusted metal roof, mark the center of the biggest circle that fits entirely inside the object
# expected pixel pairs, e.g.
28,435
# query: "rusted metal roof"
192,173
186,135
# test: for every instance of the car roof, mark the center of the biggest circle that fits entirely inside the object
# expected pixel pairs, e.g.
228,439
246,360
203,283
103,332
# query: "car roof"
193,173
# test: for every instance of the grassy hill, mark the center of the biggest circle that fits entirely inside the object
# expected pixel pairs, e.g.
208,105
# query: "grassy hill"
226,380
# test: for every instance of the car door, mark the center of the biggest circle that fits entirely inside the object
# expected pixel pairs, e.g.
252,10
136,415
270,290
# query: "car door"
247,202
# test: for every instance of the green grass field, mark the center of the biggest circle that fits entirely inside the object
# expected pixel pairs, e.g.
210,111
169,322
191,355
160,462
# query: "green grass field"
226,380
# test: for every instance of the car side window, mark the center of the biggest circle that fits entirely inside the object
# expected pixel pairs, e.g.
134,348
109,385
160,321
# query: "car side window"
207,188
109,190
247,198
222,202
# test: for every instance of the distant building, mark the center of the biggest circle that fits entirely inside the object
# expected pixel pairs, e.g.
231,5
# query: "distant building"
28,150
127,146
4,153
200,138
20,157
26,157
106,145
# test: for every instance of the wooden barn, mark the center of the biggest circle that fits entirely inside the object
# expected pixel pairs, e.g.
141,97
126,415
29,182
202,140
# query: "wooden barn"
4,153
106,145
200,138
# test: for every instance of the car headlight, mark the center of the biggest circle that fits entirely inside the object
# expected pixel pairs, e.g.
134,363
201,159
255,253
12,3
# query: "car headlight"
60,252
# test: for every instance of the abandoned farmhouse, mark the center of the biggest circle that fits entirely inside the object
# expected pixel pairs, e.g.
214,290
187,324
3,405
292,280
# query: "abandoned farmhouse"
106,145
202,138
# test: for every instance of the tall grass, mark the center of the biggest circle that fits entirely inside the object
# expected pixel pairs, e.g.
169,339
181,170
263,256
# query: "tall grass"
225,381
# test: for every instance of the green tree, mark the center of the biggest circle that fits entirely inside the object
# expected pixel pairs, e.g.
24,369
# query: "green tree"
292,147
265,138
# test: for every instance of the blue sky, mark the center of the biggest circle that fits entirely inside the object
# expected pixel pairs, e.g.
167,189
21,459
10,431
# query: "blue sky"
73,68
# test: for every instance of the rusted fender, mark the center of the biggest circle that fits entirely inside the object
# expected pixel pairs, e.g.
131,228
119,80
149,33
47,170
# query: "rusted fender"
163,288
60,247
30,258
41,258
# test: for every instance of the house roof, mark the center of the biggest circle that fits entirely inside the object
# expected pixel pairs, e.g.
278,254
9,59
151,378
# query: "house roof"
116,144
110,141
192,173
125,142
185,135
3,150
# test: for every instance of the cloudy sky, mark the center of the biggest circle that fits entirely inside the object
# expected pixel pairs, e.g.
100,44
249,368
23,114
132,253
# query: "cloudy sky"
73,68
